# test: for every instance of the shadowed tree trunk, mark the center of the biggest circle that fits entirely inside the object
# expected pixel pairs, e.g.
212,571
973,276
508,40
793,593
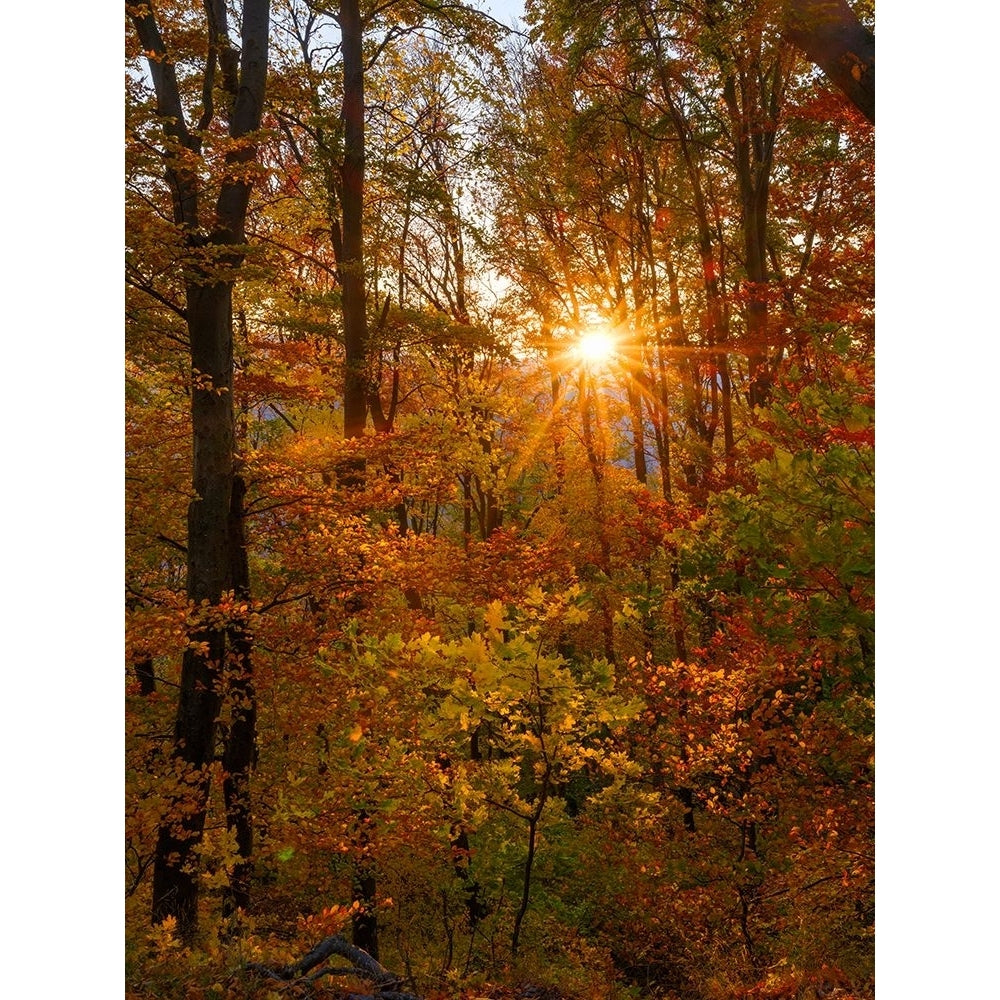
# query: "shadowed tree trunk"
831,35
145,675
364,922
716,327
175,883
351,265
240,750
215,253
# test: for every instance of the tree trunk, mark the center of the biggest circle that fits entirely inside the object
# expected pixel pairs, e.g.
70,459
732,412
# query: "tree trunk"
533,820
364,923
716,327
239,754
209,312
831,35
210,330
364,920
144,672
753,96
351,264
594,445
638,435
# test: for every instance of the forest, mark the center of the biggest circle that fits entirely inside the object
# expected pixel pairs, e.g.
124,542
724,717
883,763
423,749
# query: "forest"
499,500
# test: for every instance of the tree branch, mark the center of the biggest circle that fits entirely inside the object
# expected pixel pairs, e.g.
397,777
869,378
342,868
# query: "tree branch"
364,965
833,37
183,184
174,545
143,286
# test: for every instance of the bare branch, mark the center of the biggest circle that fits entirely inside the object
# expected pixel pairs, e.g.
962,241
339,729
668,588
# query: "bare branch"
385,982
143,286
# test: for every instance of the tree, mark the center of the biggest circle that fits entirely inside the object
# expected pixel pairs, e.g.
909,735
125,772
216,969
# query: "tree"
352,262
829,32
214,247
833,37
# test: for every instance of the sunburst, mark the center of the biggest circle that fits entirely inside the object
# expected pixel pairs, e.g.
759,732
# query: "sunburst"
596,348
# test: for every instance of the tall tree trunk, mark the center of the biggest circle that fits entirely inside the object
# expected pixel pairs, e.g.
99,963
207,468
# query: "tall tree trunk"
209,317
209,313
716,327
753,98
364,923
352,264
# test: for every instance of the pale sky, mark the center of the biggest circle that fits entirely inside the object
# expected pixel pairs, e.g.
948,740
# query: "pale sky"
503,10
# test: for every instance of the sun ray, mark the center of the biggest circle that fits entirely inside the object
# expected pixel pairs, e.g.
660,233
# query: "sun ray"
596,348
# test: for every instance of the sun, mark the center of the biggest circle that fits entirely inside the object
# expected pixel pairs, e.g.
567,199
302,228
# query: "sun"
596,347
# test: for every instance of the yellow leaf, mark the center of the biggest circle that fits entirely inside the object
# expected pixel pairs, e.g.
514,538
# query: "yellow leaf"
494,617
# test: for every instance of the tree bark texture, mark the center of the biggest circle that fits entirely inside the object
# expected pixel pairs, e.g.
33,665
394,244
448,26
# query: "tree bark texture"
214,565
831,35
209,313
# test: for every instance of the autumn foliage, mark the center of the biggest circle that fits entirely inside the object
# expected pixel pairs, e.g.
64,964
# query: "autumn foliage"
559,677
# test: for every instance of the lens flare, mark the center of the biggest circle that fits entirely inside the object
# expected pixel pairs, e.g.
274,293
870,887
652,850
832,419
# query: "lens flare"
596,347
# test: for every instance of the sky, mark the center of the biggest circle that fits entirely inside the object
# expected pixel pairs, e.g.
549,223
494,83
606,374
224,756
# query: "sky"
503,10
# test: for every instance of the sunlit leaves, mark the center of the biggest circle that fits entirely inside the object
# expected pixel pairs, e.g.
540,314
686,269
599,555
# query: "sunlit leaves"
501,625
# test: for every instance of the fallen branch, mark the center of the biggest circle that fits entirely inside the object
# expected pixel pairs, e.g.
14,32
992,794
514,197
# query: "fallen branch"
385,982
